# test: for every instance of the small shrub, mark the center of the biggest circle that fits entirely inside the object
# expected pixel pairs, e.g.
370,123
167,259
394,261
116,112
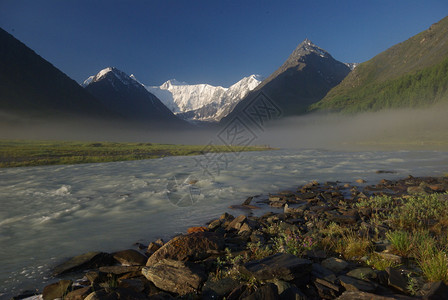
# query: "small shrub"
380,263
401,241
435,267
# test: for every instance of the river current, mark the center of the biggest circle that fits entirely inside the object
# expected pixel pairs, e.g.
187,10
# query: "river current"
50,213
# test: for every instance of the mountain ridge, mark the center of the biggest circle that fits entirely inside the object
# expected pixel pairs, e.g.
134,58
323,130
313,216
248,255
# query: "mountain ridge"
411,73
304,78
31,86
124,94
203,102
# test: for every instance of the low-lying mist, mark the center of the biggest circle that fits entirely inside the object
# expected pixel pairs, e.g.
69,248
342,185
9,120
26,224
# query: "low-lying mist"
413,129
404,129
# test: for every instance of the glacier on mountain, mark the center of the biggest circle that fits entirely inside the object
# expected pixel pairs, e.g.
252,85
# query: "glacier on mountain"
203,102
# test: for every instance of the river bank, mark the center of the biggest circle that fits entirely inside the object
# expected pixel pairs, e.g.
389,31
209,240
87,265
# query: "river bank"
326,240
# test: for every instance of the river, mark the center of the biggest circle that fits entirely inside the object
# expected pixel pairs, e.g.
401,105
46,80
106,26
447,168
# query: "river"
51,213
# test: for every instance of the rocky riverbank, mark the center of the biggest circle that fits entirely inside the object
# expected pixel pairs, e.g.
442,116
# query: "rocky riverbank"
321,241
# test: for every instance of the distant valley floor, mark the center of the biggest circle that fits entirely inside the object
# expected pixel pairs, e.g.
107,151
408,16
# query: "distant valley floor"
19,153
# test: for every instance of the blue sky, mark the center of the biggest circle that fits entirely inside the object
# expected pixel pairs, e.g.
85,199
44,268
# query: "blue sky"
216,42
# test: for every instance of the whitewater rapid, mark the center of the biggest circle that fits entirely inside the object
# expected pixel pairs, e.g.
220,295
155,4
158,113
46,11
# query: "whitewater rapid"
51,213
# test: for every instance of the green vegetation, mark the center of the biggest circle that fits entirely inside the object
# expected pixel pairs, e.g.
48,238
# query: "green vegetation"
413,73
418,231
417,89
35,153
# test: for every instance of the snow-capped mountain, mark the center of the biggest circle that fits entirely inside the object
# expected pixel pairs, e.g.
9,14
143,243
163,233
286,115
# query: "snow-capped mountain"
203,102
128,97
352,66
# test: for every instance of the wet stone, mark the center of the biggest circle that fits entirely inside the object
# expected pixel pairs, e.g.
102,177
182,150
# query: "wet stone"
57,290
130,257
90,260
175,276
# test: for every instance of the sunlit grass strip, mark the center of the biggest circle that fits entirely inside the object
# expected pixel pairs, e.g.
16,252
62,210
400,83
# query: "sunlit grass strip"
37,153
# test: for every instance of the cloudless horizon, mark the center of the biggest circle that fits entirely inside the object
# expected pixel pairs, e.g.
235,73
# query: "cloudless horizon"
215,42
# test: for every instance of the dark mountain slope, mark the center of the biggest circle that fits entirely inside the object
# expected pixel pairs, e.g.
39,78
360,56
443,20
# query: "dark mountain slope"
30,85
305,78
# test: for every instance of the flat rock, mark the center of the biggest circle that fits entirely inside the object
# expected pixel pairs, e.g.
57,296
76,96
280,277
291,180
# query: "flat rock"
57,290
191,247
319,271
293,293
326,292
115,294
268,291
282,266
134,284
354,284
175,276
90,260
79,294
362,273
357,295
217,289
437,291
397,280
119,270
237,222
334,264
130,257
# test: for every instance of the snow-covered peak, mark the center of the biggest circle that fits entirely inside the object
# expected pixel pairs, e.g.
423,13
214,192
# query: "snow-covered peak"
352,66
174,82
103,73
87,81
111,71
204,101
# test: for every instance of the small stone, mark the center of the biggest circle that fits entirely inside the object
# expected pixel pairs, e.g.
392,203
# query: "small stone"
175,276
266,292
152,247
282,266
130,257
237,222
319,271
90,260
197,229
437,291
360,181
334,264
119,270
354,284
325,292
79,294
57,290
134,284
245,228
191,247
397,279
362,273
248,201
357,295
95,277
214,224
293,293
226,217
218,289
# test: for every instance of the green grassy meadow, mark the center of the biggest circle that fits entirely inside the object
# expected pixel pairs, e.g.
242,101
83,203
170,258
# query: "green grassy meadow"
21,153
